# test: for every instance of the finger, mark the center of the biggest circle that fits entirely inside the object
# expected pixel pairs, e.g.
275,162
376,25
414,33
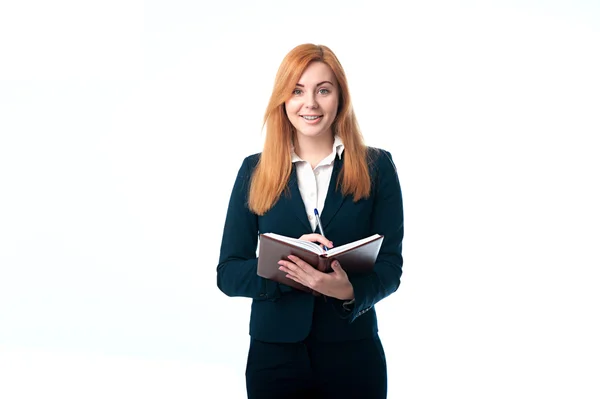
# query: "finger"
287,270
302,266
293,269
291,265
314,237
338,270
300,270
335,265
293,276
295,279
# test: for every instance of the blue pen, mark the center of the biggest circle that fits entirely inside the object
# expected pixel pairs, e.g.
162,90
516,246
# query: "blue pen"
320,226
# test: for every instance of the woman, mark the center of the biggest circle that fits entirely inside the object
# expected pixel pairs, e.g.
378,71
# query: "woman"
324,345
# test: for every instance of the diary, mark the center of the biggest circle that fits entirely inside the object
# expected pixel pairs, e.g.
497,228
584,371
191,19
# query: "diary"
355,257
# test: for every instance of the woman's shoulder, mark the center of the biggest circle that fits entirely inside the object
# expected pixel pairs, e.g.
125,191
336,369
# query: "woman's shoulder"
250,161
379,157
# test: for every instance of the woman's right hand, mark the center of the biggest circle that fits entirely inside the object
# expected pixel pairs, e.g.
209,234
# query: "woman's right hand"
314,237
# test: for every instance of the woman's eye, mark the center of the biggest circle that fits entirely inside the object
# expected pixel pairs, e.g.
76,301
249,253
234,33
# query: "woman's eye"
297,92
323,91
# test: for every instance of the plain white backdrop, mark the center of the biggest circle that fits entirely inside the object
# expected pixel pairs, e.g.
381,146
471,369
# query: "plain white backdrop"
123,125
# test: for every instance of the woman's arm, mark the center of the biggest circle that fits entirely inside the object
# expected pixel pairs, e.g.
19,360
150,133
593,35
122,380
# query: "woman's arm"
387,220
236,272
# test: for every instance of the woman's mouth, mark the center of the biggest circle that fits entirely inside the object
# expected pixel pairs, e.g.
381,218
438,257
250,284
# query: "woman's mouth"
312,118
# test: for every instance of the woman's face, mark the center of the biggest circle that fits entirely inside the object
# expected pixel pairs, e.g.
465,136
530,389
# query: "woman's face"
312,108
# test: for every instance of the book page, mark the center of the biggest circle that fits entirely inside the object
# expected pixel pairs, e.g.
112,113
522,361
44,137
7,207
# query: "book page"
310,246
350,245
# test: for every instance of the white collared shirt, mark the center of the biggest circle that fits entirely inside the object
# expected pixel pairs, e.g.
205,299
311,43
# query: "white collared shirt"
314,183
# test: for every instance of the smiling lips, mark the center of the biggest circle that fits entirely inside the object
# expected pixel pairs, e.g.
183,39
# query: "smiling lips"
312,118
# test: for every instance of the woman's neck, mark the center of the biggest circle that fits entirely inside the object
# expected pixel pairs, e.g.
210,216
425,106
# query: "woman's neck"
313,149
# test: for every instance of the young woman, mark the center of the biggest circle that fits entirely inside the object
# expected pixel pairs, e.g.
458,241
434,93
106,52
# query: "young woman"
325,344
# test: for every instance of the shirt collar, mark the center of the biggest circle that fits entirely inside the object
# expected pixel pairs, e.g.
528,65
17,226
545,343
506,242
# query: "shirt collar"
338,148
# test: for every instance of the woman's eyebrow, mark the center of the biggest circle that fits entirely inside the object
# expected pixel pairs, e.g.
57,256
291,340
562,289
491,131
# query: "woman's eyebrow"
318,84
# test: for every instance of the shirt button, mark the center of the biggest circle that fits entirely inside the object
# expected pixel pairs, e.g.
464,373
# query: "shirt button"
310,217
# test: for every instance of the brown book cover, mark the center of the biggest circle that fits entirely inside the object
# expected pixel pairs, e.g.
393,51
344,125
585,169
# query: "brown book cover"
355,257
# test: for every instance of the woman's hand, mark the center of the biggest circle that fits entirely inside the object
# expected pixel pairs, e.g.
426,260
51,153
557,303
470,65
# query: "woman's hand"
335,284
317,238
314,237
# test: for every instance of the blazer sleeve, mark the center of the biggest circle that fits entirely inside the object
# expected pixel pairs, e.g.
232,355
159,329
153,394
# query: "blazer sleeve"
387,220
236,271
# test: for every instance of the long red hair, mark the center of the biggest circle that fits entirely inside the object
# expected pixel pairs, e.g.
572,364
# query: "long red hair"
275,165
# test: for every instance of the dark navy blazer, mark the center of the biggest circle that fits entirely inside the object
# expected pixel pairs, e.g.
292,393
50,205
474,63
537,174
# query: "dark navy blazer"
283,314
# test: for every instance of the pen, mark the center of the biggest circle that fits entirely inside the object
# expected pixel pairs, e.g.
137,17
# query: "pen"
320,226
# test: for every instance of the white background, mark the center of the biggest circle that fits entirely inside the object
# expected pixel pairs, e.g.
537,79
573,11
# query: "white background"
123,125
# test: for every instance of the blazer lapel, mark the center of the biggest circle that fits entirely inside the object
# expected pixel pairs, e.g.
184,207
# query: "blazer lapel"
295,200
334,199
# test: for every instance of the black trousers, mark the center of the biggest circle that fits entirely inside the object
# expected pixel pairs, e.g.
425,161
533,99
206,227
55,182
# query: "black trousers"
310,369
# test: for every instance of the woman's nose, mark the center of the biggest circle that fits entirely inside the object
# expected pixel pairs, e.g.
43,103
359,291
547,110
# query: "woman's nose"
311,102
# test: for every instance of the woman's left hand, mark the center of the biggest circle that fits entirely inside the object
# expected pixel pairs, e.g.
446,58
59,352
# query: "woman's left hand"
335,284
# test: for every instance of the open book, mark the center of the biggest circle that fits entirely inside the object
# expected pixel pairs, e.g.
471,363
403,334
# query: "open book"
355,257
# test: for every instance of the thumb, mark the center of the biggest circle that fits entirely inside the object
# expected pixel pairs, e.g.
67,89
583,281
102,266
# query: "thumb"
337,268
